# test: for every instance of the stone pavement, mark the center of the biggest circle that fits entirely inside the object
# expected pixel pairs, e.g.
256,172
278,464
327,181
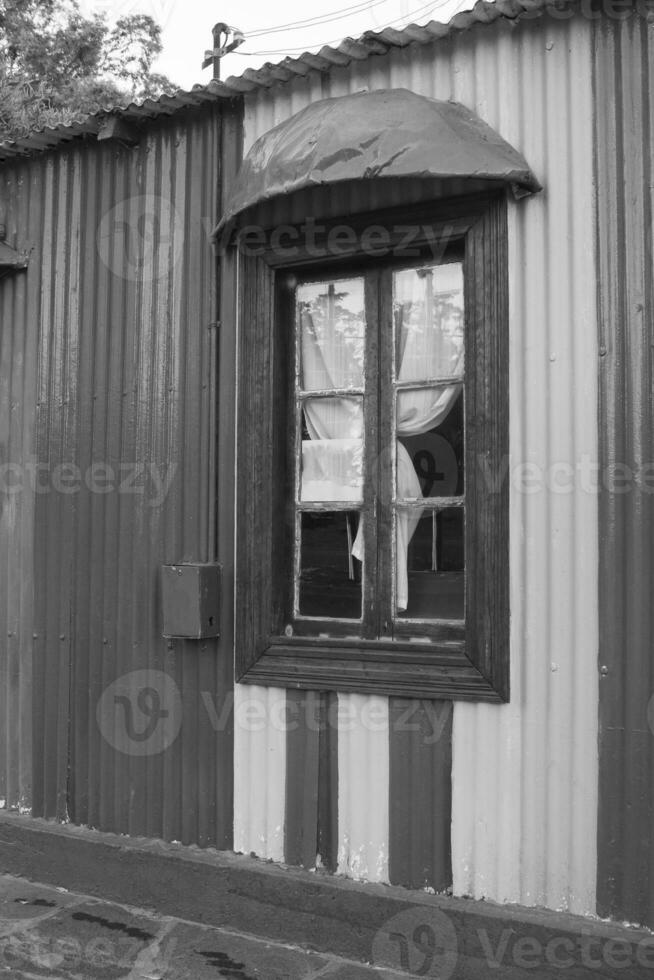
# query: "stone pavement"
49,933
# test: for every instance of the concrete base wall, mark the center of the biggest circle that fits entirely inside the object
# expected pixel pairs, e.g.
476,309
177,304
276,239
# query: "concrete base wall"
429,935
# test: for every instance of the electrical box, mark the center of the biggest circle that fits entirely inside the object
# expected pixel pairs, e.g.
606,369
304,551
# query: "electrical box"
190,597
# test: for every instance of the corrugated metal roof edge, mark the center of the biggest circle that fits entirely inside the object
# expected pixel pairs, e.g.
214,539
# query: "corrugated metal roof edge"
134,112
380,42
269,75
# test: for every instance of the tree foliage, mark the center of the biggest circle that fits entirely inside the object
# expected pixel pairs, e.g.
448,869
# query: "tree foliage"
56,64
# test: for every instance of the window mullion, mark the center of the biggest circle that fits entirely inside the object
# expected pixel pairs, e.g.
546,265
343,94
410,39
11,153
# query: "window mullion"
370,514
387,457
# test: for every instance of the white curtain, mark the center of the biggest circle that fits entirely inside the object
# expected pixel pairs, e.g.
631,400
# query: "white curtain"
332,357
332,332
429,347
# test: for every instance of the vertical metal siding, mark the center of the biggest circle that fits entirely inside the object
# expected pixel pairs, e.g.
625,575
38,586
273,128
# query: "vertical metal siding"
420,788
363,771
525,774
311,797
127,369
259,771
302,789
624,119
21,210
525,777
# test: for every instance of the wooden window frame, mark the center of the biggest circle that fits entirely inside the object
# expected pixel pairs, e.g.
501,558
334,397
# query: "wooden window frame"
463,664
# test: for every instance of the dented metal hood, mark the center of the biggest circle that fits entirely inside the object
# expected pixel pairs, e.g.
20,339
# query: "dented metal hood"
370,135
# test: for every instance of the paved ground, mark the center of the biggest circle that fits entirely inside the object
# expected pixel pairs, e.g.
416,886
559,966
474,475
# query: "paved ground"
51,933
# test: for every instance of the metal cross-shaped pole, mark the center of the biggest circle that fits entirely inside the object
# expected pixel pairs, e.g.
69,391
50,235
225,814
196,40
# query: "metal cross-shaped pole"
225,39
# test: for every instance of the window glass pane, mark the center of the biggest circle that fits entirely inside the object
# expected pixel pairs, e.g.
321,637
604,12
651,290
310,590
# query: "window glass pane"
428,313
332,469
332,325
430,463
430,582
330,577
332,418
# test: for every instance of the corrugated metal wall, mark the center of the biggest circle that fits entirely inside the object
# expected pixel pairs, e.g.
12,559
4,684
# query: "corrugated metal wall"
624,70
123,283
524,777
363,787
21,210
260,729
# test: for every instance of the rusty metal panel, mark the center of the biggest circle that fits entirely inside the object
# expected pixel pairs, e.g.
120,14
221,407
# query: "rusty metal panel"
624,121
132,733
524,775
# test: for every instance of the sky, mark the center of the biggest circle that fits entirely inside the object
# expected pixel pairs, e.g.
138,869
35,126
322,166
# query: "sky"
187,24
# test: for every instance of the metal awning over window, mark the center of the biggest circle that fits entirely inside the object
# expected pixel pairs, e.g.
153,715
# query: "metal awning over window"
371,135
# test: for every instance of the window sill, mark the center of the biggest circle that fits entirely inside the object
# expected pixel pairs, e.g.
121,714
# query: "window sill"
441,670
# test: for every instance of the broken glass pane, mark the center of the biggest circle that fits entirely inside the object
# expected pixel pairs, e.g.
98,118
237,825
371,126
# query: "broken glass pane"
430,580
330,577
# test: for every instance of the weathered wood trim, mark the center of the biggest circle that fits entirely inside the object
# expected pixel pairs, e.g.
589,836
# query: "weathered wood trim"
256,475
311,669
487,447
455,215
476,669
373,454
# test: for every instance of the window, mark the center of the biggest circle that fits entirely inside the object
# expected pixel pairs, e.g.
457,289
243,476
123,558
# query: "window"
373,415
372,524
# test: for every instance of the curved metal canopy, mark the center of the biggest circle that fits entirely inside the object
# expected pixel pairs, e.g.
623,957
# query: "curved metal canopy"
390,133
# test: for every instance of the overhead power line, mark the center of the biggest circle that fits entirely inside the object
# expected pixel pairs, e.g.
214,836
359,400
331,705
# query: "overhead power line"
429,7
325,18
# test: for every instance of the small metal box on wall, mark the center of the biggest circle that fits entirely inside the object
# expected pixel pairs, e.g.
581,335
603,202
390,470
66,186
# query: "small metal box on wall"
190,596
